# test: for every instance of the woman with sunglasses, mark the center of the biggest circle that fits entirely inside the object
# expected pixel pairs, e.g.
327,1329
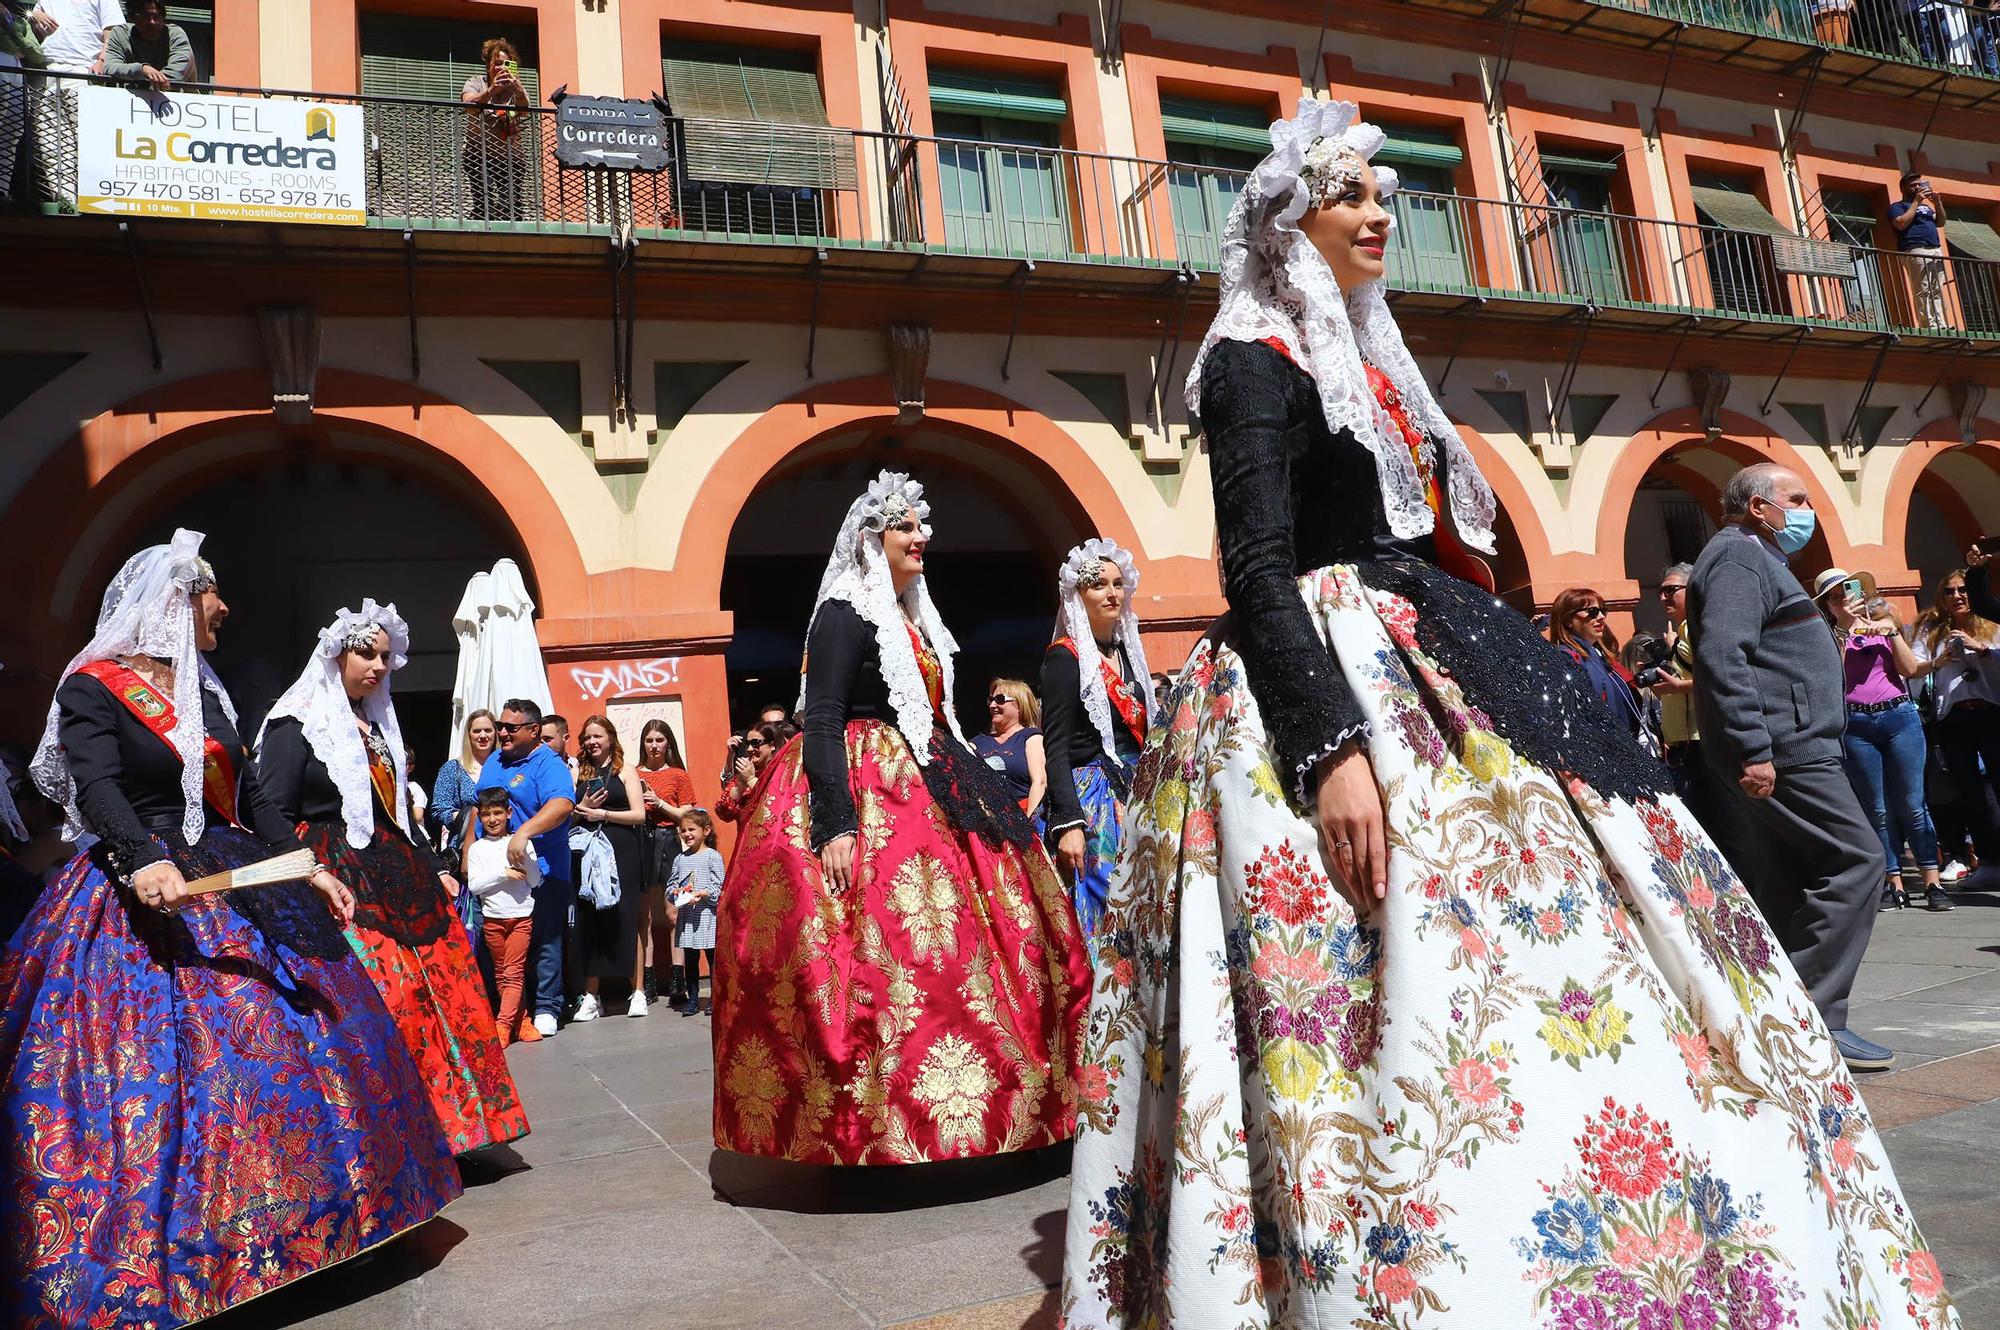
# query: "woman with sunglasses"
1013,744
1960,640
1577,625
760,744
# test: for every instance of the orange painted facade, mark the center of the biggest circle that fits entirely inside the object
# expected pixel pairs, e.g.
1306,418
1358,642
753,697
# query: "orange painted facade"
632,593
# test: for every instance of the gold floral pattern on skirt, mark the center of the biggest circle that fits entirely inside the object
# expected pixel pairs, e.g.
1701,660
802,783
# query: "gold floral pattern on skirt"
931,1011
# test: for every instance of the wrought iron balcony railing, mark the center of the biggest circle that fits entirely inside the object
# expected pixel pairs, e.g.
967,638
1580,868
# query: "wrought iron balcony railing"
1955,35
764,184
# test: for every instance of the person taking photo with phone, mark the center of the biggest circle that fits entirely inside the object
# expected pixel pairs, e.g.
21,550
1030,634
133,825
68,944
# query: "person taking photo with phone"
1883,746
1960,639
1918,219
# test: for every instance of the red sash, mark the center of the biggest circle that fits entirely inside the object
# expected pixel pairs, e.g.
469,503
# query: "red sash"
156,713
1452,555
1119,690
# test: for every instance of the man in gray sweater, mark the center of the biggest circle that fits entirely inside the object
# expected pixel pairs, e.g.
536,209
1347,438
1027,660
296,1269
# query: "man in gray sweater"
149,49
1771,704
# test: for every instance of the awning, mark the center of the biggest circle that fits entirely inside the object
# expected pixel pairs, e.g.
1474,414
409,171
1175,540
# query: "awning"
1569,161
1001,98
1972,240
1214,125
752,122
1738,212
1413,146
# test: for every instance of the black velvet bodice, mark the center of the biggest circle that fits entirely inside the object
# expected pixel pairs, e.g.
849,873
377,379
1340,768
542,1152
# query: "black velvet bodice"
1291,496
1069,740
128,780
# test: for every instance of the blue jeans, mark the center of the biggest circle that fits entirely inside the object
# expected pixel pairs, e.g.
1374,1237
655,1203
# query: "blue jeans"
553,900
1885,763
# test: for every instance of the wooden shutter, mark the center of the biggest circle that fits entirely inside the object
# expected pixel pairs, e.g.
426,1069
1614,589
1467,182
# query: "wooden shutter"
756,118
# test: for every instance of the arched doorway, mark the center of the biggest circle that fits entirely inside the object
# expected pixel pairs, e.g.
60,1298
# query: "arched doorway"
1954,501
1002,523
297,528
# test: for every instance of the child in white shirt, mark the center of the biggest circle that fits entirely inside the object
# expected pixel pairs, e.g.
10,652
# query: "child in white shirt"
506,897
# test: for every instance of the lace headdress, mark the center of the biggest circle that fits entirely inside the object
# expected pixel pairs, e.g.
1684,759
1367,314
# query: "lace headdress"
1275,284
858,573
148,610
1087,566
319,702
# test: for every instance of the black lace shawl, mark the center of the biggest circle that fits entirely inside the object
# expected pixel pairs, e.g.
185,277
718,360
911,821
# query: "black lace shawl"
1291,496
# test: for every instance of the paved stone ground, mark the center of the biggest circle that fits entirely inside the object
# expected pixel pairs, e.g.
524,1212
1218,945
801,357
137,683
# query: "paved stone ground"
622,1214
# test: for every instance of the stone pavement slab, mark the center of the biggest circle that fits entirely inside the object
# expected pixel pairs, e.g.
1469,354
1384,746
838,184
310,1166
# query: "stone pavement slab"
618,1211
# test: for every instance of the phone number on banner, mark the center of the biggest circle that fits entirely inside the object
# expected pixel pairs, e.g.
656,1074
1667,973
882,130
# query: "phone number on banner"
160,199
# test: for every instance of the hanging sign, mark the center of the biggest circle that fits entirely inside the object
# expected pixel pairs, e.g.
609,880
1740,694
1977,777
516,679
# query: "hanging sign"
141,153
610,132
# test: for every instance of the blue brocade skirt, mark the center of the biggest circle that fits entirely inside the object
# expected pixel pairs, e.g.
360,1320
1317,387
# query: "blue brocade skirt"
195,1114
1099,789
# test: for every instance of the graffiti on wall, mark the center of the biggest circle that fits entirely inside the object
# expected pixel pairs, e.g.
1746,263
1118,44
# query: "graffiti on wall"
597,680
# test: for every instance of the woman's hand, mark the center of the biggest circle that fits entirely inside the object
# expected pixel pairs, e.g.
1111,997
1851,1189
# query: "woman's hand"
1352,841
1070,851
651,797
746,772
338,898
1976,557
160,886
836,860
450,885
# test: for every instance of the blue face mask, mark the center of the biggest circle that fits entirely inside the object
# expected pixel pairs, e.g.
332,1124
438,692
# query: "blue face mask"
1800,523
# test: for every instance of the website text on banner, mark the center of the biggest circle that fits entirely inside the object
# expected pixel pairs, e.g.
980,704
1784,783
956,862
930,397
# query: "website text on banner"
231,159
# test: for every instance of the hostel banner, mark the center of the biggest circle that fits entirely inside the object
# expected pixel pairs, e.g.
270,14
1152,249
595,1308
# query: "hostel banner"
238,159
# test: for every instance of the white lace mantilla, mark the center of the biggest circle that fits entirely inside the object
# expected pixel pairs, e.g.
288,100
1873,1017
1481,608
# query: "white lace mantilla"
318,700
1074,623
1275,284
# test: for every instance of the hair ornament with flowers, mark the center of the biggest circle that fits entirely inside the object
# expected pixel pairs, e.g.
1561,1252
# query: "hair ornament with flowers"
1277,287
891,497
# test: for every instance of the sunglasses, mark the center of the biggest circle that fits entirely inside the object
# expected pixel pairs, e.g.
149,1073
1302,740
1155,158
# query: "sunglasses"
506,727
1952,591
998,700
755,743
1669,592
1591,612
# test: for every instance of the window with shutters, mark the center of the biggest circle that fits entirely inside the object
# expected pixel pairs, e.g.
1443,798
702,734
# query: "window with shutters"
1004,180
424,153
1211,149
1580,238
1430,248
1851,217
1735,244
757,154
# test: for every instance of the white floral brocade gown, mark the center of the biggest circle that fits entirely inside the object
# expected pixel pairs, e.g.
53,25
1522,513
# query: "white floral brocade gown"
1562,1079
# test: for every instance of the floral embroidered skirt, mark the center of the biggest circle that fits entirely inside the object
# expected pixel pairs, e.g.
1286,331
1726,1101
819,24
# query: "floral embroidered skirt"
409,938
930,1012
1104,826
1562,1077
195,1115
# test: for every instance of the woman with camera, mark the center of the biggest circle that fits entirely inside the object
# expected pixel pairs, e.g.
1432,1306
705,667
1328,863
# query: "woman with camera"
1884,743
495,159
1578,626
1959,641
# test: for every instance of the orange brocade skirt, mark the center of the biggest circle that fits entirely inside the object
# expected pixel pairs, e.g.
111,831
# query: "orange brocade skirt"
931,1012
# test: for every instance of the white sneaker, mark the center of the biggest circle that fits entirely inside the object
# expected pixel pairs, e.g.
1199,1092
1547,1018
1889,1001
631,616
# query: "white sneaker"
1952,871
589,1009
1986,877
637,1005
545,1025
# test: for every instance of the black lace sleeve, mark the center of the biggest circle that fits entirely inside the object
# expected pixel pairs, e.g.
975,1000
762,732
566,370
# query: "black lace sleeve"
266,818
88,721
1062,716
281,767
1256,422
833,659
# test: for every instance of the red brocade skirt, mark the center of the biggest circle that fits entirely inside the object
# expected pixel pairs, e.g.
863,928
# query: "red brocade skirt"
409,940
930,1012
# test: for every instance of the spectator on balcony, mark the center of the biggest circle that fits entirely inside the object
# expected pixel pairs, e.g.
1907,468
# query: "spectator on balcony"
1919,220
72,33
149,49
496,158
1984,16
1833,21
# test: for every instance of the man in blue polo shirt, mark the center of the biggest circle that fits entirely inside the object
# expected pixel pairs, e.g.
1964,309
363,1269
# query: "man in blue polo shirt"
1918,220
541,794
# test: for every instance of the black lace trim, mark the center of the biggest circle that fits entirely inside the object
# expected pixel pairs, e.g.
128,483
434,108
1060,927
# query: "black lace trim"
396,891
974,797
1538,699
288,914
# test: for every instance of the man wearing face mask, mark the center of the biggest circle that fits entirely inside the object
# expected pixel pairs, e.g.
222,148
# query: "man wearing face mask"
1771,709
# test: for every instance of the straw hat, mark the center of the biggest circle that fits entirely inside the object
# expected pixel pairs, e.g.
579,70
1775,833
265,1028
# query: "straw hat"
1833,577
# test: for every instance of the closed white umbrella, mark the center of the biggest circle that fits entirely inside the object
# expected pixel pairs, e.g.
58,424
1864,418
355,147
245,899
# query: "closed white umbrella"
508,641
466,685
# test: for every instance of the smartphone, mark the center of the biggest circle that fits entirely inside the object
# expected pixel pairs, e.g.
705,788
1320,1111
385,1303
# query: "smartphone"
1987,544
514,70
1852,586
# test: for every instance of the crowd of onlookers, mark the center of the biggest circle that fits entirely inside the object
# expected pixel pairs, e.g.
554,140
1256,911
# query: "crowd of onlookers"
1922,740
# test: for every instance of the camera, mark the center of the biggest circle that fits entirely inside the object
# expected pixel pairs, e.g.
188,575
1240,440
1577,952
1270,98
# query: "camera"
1652,658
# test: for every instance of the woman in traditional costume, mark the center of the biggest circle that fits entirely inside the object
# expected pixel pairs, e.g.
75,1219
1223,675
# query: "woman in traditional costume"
205,1098
1097,705
1423,1002
328,757
899,976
